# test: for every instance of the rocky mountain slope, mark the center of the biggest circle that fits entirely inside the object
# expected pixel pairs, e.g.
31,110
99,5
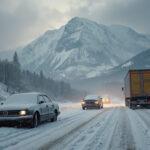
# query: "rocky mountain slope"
82,49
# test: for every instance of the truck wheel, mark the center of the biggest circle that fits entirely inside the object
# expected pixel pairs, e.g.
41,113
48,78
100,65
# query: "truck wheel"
130,106
83,108
134,106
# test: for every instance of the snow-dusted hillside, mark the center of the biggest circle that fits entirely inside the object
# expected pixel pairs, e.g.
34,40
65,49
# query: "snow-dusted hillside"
82,49
111,82
140,61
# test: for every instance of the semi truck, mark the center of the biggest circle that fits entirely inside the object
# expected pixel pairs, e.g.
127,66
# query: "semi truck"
137,88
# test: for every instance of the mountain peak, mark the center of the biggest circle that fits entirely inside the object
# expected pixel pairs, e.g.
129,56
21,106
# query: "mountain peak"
81,49
76,22
81,21
78,19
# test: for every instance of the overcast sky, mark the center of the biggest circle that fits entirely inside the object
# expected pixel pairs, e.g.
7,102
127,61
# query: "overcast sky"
23,20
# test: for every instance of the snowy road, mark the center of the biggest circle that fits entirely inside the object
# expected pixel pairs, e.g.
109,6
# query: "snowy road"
115,128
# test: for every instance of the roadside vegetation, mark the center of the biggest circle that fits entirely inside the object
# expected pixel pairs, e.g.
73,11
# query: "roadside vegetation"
18,80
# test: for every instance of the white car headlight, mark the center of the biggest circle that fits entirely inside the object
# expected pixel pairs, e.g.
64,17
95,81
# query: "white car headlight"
23,112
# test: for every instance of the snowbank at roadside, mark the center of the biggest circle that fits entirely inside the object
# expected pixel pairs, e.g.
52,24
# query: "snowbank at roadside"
114,105
66,106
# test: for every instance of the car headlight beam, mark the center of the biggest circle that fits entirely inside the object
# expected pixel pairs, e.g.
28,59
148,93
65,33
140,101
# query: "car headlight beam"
96,102
82,102
23,112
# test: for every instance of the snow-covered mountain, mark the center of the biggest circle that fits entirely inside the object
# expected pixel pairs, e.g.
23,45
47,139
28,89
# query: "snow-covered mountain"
117,74
140,61
112,81
82,49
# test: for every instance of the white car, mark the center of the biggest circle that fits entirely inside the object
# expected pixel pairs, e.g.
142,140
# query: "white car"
28,108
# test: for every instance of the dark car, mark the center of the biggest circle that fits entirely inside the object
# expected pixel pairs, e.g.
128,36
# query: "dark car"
28,108
92,101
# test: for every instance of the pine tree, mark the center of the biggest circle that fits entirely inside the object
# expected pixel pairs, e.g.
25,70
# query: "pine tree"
41,75
16,60
16,73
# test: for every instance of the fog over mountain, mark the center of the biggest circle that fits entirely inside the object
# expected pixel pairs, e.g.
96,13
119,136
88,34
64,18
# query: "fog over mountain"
112,81
91,56
81,49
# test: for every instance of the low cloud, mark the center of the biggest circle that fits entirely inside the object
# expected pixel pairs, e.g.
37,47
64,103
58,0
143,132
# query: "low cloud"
23,20
134,13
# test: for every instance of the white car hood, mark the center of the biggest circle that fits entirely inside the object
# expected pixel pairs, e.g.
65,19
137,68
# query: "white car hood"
15,106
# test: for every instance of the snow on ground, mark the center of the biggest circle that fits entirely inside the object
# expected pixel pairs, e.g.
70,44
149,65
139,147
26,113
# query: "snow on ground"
112,128
20,138
114,105
67,106
115,129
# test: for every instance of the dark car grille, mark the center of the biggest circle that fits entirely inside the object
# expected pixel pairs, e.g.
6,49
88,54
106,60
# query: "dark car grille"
9,113
90,102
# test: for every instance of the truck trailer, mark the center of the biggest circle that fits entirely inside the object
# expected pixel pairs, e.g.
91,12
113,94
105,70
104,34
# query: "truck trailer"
137,88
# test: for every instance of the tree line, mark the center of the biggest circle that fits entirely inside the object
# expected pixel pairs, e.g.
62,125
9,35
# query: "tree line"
20,80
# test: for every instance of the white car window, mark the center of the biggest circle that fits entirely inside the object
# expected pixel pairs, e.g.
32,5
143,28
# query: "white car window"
40,98
46,99
50,99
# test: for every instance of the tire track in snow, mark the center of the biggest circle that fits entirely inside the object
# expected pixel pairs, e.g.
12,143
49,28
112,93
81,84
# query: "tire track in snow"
140,130
109,131
102,139
122,138
52,144
15,135
10,135
43,134
144,114
85,134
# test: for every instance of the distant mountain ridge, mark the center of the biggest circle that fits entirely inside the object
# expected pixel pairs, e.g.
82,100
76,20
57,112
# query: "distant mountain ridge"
82,49
117,74
140,61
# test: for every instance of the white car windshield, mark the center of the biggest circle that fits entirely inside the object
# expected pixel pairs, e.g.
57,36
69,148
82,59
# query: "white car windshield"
22,99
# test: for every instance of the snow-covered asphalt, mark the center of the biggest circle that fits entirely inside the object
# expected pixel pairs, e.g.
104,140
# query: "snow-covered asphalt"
114,128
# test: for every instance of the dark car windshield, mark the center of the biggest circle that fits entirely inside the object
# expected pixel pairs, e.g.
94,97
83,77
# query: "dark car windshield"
22,99
92,97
